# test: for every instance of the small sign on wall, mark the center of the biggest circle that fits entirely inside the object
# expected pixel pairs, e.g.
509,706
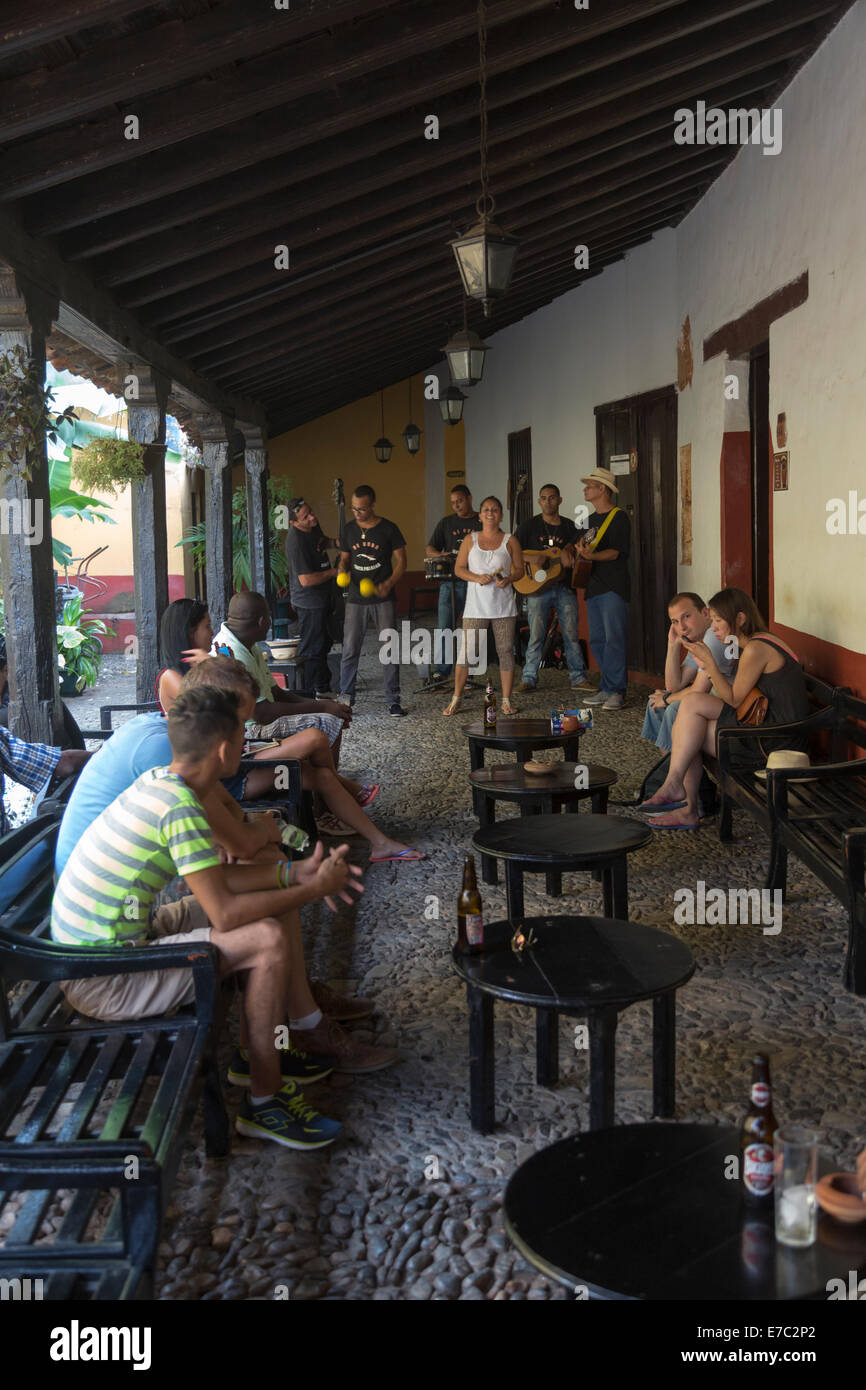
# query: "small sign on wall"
780,472
685,504
620,463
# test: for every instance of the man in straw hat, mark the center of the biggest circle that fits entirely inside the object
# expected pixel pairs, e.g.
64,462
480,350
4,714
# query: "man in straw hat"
607,542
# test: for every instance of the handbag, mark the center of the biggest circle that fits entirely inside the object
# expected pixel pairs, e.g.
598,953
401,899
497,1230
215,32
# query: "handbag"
752,710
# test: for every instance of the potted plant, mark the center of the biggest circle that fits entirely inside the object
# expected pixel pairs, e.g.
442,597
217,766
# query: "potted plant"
280,491
110,465
79,649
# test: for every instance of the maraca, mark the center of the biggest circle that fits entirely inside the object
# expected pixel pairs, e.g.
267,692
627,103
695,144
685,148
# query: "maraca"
344,579
367,587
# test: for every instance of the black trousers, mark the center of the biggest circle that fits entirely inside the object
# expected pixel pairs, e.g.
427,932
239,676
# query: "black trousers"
313,672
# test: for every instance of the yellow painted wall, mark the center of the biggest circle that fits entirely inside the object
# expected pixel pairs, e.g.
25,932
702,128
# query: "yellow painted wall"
341,445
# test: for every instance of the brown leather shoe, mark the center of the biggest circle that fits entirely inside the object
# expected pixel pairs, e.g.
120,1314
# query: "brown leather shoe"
340,1007
526,689
328,1038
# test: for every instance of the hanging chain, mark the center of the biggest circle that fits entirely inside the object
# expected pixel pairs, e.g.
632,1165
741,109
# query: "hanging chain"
482,62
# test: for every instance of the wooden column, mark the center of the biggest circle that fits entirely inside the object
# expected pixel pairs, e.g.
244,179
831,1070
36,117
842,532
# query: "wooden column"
26,565
146,423
216,433
256,473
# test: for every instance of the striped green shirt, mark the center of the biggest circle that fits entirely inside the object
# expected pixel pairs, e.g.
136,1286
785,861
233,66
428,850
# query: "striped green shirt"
153,831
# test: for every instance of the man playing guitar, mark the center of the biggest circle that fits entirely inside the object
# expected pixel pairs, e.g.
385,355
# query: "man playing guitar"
608,590
539,533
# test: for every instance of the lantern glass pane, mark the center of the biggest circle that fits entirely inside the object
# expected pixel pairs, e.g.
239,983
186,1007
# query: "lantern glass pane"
500,264
471,261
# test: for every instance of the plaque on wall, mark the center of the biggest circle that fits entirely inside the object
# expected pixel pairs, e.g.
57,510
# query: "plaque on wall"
780,472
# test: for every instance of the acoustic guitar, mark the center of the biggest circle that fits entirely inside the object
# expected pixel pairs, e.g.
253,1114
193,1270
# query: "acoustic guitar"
583,568
541,568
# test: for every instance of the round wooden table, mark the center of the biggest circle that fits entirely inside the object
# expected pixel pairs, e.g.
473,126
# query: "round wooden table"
588,966
645,1211
539,795
520,736
545,844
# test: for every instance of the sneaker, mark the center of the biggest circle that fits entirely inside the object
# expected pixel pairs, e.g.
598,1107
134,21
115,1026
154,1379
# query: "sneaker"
613,702
287,1120
339,1006
329,1038
368,793
347,700
526,687
598,698
294,1066
325,695
397,710
329,824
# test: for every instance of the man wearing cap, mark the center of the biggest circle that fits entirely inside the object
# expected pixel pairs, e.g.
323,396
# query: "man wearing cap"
311,578
541,532
606,543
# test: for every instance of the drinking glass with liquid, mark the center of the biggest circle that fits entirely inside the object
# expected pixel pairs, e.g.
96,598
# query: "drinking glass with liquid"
796,1173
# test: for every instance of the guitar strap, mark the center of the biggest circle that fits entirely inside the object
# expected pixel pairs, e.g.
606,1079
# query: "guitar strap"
601,530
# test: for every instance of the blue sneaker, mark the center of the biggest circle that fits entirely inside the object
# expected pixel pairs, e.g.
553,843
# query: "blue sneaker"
295,1065
287,1120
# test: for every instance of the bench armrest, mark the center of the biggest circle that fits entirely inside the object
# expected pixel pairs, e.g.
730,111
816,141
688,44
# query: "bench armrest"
854,859
106,711
28,958
294,789
821,719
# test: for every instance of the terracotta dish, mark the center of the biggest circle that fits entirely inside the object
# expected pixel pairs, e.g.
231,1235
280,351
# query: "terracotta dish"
538,769
570,723
839,1195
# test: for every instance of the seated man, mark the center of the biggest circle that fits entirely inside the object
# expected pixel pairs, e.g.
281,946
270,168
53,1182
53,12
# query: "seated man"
35,765
157,829
143,743
690,619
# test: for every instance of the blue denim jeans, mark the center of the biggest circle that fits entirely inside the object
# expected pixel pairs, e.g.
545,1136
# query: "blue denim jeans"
539,608
658,726
444,617
608,637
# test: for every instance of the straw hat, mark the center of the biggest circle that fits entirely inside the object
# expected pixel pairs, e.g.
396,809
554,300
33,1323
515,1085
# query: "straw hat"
602,475
785,757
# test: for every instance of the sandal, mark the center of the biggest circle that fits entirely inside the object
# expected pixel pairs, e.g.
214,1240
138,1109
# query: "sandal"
455,703
507,708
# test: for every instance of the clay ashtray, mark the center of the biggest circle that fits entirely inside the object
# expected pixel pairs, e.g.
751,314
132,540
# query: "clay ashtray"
538,769
570,723
839,1195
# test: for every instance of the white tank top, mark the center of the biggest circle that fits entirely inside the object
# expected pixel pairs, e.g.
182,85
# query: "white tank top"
488,600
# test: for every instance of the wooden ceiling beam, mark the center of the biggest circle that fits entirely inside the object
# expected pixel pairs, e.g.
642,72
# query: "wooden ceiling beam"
631,92
453,70
255,88
171,54
24,25
569,218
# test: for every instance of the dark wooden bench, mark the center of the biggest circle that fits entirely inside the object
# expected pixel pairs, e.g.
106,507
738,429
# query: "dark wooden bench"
69,1085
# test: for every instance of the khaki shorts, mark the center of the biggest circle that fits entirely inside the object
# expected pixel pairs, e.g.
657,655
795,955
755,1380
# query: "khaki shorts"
152,992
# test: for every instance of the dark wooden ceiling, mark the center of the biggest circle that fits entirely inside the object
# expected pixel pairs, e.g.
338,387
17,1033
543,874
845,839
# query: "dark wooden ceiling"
305,127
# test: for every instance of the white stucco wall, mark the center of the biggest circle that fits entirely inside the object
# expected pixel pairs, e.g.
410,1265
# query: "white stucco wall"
764,222
613,336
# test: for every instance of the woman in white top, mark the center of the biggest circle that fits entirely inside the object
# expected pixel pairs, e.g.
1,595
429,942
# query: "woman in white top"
489,560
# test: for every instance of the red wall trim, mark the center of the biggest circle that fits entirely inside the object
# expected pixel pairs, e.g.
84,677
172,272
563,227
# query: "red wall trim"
735,493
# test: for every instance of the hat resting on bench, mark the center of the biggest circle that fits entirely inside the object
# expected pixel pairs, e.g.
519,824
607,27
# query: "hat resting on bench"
785,757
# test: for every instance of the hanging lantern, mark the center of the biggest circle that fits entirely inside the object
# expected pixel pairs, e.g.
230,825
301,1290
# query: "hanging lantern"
382,446
485,255
451,405
412,433
465,352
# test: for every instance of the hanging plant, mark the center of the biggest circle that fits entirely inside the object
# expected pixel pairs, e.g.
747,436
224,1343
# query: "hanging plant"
110,465
25,409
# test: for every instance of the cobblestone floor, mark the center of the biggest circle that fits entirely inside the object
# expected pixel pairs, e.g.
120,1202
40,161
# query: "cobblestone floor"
408,1204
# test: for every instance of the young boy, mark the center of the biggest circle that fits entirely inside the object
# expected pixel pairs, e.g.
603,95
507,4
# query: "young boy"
156,830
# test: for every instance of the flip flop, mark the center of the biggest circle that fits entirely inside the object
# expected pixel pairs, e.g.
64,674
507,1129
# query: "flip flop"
652,807
404,855
682,825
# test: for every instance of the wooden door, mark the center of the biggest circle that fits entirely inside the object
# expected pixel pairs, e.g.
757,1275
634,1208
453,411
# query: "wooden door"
645,428
520,495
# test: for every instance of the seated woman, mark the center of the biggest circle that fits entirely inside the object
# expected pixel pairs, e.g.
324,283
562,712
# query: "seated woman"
186,636
490,560
763,661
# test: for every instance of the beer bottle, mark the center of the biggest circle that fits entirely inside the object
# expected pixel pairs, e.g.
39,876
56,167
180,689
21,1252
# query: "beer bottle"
490,708
756,1141
470,922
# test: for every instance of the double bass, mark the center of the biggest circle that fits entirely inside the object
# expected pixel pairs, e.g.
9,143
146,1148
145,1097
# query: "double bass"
336,612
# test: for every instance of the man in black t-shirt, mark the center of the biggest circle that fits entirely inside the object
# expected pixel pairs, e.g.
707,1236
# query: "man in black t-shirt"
446,540
372,549
609,589
541,532
311,581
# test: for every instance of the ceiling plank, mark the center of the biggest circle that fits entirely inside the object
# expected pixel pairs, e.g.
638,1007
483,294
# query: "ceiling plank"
24,25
